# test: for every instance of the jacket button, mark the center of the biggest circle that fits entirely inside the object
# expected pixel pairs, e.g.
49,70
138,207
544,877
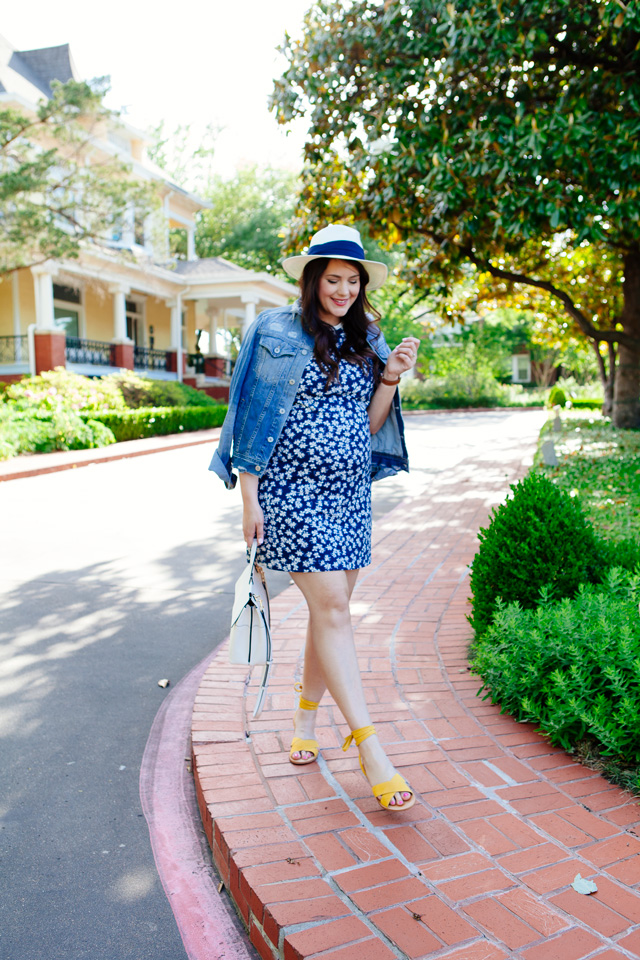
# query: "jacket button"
291,382
303,352
269,439
258,468
282,410
277,350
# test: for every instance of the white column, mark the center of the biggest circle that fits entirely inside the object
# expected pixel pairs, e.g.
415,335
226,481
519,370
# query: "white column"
176,331
15,303
212,313
176,323
249,312
191,243
119,293
43,286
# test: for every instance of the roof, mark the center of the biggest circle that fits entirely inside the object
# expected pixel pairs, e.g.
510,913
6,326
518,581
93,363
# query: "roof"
210,268
29,73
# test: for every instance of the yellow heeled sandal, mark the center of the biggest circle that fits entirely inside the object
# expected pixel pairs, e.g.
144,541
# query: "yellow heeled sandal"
297,744
383,792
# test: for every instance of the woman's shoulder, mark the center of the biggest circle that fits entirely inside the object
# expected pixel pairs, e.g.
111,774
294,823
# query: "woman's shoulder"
279,317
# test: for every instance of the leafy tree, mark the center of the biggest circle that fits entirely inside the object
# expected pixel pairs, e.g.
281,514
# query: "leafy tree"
405,312
505,136
247,218
54,193
184,154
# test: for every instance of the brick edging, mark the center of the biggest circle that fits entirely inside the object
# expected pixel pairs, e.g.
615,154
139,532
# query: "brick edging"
40,463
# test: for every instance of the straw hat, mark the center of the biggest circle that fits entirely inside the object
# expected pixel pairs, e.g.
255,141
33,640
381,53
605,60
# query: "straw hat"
337,242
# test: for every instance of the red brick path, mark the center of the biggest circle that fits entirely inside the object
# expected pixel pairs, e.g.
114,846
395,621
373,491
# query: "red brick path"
481,867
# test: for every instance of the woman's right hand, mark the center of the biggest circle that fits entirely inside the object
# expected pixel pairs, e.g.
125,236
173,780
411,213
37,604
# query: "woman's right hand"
252,515
252,522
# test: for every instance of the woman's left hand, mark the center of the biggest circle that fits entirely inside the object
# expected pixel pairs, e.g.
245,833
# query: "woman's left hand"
403,358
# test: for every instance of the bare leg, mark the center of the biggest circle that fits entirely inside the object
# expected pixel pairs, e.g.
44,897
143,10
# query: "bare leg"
334,655
313,685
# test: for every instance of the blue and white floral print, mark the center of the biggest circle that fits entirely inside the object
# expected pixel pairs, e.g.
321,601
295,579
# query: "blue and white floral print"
316,490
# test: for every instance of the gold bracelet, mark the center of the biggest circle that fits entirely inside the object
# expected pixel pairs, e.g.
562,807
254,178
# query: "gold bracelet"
390,383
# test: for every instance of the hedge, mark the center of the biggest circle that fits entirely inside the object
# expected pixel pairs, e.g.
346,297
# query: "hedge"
586,404
571,666
155,421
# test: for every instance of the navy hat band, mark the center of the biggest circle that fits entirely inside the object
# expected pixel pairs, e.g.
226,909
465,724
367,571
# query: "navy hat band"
337,248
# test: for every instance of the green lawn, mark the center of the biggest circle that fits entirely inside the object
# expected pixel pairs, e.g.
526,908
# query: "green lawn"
601,465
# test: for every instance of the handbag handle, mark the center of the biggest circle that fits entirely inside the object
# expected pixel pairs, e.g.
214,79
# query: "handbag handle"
254,550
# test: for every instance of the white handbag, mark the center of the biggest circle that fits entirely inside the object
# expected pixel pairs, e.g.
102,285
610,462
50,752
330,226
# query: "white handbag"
250,637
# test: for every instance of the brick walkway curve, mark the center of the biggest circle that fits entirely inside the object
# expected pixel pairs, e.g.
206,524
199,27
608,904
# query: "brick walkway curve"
481,867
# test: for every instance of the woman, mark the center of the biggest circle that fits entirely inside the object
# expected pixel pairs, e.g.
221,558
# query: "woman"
313,415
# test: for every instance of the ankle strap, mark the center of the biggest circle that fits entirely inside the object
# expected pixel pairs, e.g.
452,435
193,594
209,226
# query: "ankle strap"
359,735
308,704
305,704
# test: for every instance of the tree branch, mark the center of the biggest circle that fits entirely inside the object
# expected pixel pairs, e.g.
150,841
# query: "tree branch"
606,336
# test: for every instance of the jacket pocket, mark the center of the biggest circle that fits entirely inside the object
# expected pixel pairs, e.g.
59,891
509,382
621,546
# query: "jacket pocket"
274,357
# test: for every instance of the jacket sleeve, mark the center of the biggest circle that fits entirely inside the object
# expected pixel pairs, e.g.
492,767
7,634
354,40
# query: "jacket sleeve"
378,344
221,461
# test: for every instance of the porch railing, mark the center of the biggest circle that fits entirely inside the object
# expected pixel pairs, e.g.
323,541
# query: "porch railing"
79,350
14,349
196,360
144,358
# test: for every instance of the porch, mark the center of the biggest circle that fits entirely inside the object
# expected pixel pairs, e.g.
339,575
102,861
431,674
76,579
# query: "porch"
181,322
97,358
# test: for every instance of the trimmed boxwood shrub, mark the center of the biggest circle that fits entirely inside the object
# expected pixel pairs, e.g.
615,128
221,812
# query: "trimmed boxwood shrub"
557,397
155,421
538,537
571,666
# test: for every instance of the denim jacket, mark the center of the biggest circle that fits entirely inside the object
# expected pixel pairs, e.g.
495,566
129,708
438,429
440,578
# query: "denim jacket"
272,358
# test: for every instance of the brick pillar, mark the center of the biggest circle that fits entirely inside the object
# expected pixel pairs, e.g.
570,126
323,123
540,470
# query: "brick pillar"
50,349
172,361
214,366
122,355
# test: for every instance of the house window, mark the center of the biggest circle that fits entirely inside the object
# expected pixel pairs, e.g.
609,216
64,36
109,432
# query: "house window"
67,309
135,322
138,229
521,368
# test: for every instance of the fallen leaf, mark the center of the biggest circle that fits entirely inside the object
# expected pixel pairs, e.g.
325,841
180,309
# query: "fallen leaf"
584,886
164,683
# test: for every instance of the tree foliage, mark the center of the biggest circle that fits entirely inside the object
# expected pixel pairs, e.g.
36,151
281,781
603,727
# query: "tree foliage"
506,136
184,153
247,218
55,189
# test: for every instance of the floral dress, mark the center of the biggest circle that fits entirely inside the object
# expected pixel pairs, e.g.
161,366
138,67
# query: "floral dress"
316,490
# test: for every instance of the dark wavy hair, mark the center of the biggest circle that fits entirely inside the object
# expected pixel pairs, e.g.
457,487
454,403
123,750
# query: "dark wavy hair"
356,322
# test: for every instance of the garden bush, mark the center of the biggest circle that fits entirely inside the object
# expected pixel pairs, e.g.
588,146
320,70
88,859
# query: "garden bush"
455,392
43,432
572,666
557,397
140,391
57,388
154,421
60,410
538,537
